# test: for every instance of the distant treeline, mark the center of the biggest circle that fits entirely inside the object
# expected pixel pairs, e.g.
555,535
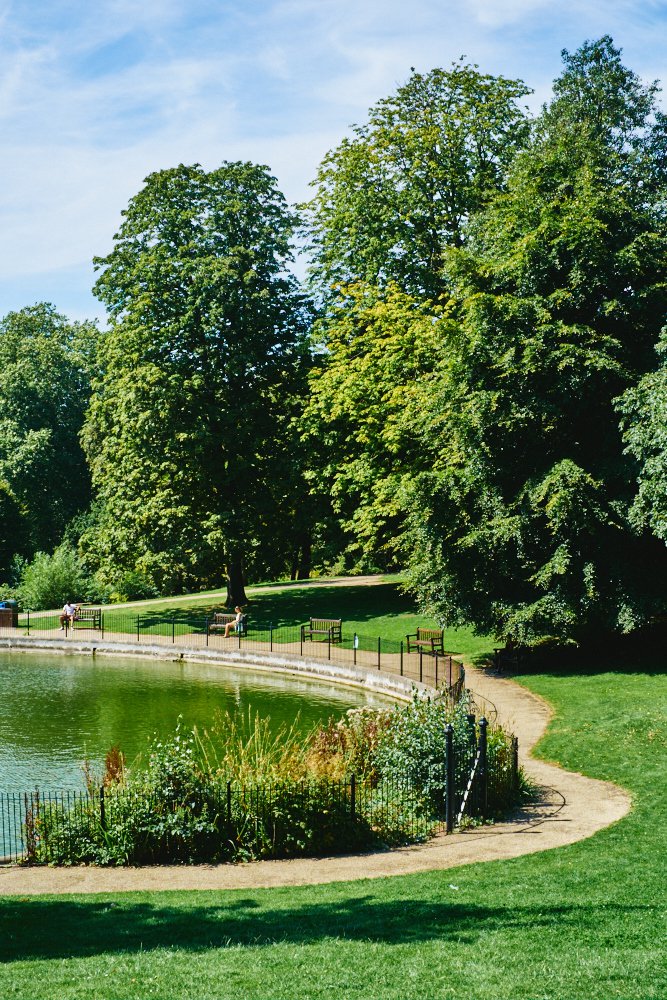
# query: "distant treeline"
470,385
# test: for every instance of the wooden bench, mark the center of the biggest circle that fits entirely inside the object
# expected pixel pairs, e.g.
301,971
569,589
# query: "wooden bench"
332,628
221,619
429,639
87,618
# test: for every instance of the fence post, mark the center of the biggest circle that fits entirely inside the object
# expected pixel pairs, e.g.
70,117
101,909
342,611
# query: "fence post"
102,624
436,669
206,620
137,628
355,643
173,627
483,775
449,781
515,764
103,816
28,611
329,644
353,795
271,638
379,642
401,657
301,640
421,669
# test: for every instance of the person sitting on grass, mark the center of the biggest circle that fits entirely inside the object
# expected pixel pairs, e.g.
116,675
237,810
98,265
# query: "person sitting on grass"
237,624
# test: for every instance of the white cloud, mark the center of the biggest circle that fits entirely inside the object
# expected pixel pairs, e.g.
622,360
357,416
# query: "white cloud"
93,97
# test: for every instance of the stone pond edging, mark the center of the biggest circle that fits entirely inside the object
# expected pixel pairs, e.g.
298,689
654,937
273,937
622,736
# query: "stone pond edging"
375,681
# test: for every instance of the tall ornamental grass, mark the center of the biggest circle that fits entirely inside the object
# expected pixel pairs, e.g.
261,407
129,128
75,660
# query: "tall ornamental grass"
239,792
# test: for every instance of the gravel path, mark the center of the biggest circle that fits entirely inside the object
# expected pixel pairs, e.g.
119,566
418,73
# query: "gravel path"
570,807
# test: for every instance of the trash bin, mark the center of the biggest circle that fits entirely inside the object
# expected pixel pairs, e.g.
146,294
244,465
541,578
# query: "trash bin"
9,614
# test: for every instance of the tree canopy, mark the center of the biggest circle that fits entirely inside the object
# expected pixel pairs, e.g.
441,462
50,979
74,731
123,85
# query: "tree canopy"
559,299
188,429
390,200
46,364
359,420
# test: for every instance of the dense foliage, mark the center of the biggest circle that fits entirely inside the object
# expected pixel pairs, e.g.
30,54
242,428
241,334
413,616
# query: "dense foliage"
239,793
478,400
46,364
47,581
559,298
389,201
188,431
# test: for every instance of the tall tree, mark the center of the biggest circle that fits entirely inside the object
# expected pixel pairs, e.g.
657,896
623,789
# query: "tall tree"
359,423
524,525
644,421
188,430
390,200
46,364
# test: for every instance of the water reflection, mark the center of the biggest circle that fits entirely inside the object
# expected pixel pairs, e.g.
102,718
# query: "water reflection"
55,711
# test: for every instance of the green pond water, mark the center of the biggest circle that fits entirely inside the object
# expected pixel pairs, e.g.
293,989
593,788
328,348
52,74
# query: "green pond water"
57,711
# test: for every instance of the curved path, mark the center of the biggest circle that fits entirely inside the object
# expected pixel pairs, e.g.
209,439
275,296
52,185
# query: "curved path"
570,807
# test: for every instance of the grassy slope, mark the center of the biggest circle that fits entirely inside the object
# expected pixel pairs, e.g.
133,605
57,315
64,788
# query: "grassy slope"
586,921
380,610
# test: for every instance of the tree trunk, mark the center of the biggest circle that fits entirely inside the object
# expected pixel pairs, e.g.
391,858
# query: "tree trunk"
303,571
235,583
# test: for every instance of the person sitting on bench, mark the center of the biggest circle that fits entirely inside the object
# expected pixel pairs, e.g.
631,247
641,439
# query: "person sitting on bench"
236,624
68,614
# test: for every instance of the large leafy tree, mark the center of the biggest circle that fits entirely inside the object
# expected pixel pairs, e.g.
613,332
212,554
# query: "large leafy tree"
392,198
359,422
524,526
644,421
46,364
188,431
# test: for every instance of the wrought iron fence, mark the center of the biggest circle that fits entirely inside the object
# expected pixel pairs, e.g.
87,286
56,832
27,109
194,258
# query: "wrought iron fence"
194,632
231,822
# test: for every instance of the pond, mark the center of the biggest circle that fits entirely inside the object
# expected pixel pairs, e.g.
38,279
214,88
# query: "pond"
57,711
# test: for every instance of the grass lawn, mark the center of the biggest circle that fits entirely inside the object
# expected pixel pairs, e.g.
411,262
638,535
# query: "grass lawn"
587,922
380,610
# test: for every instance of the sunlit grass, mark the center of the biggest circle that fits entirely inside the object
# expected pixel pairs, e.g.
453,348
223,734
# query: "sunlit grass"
586,922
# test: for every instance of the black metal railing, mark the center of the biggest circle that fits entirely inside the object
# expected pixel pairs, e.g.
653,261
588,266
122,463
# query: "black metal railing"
194,632
229,821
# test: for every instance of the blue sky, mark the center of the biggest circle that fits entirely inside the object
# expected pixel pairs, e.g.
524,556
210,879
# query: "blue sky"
96,95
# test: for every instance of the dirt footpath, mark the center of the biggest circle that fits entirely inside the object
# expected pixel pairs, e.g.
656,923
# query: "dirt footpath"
570,807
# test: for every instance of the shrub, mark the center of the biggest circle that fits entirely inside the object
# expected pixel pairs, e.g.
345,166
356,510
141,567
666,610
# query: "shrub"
240,792
133,586
50,580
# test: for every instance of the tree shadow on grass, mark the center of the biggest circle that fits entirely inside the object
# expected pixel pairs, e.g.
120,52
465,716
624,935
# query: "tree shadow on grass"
49,928
641,652
357,603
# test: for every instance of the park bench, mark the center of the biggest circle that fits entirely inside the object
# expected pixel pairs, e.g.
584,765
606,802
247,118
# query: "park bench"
332,628
221,619
429,639
88,618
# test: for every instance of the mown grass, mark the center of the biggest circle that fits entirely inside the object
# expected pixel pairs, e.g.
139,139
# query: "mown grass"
382,610
586,922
